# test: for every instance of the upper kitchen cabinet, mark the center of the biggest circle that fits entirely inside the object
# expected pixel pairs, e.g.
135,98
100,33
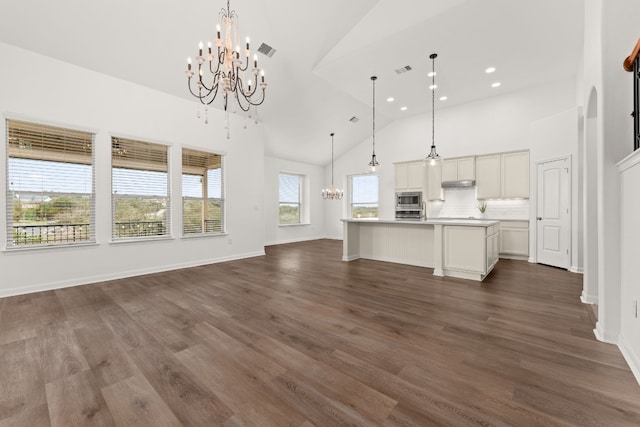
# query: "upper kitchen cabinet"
410,176
515,175
503,176
459,169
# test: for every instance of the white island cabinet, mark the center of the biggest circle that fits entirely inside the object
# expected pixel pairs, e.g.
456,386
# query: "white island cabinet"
459,248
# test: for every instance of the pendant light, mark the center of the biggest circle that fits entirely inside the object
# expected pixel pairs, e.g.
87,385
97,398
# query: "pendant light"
332,193
433,155
374,162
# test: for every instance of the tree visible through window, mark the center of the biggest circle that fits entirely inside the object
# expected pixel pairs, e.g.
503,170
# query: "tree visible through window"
50,195
140,189
364,196
202,193
290,198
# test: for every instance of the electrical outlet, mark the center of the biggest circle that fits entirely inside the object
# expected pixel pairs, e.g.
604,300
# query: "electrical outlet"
230,240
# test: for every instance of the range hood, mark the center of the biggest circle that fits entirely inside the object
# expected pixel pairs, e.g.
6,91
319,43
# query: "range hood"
467,183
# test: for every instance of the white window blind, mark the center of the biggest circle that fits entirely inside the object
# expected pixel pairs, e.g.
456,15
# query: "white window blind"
140,189
290,198
202,193
50,185
364,196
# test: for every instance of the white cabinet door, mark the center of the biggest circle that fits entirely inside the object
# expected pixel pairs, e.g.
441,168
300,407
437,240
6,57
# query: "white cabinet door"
415,175
434,181
515,175
465,248
492,250
488,184
449,170
401,176
514,238
467,169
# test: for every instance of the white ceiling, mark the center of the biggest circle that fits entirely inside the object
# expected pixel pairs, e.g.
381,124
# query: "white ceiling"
326,53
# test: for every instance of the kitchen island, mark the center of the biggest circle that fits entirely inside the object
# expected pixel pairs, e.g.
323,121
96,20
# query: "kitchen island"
464,248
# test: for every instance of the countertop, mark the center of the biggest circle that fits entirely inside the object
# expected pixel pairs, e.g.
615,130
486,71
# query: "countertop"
435,221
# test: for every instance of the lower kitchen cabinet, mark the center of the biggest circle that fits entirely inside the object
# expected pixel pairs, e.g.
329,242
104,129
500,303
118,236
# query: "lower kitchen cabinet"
514,239
470,250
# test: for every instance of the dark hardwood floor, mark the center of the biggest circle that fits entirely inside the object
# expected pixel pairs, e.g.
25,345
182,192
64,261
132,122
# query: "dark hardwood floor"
300,338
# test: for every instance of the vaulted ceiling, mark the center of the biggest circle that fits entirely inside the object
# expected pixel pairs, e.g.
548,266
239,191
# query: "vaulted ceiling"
326,52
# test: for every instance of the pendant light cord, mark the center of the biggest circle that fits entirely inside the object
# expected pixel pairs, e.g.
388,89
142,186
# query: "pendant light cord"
373,79
332,160
433,100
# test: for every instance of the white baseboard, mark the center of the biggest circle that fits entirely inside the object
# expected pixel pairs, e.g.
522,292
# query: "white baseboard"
588,299
87,280
515,257
333,237
632,358
532,260
574,269
601,335
284,242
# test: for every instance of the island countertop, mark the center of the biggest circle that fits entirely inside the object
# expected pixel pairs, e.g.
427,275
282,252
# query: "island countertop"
436,221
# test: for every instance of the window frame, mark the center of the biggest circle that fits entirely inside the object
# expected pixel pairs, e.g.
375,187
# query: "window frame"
301,203
351,195
118,142
222,199
74,151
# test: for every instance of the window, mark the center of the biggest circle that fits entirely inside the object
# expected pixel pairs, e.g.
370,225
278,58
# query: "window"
202,193
140,189
364,196
291,198
50,194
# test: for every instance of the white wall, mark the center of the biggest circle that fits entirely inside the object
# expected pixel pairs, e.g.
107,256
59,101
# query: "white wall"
313,202
548,138
42,89
501,123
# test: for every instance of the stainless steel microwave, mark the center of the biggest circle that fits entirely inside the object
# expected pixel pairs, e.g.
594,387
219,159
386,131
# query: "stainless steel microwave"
408,200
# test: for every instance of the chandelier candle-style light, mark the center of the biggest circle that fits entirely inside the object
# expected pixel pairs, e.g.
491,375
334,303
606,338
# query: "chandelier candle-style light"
332,193
222,70
374,162
433,156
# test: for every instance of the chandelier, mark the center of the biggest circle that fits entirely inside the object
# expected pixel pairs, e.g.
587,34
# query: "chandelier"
374,162
222,71
433,156
332,193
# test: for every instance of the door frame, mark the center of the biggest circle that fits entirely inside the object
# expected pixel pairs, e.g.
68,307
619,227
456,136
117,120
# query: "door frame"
534,211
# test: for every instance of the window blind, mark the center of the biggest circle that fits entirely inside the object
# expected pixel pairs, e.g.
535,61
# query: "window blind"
140,189
202,193
50,185
290,198
364,196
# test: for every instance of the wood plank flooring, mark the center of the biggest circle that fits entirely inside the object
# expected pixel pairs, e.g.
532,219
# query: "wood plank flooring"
300,338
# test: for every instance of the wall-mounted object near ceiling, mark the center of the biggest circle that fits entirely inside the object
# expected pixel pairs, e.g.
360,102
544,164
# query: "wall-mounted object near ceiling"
223,71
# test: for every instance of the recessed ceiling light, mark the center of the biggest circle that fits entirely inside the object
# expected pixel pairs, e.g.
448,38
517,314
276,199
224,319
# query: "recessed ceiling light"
390,99
432,73
403,108
490,70
443,98
496,84
432,87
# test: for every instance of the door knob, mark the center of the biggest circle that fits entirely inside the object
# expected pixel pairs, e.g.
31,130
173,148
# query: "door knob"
539,218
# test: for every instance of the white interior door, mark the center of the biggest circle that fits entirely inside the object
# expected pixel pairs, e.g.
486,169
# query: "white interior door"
553,216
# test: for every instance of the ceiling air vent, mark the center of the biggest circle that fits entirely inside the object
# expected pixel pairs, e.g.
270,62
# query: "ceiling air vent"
403,69
266,50
354,119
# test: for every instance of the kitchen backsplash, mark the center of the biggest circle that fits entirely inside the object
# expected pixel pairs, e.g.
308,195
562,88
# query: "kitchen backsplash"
462,203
